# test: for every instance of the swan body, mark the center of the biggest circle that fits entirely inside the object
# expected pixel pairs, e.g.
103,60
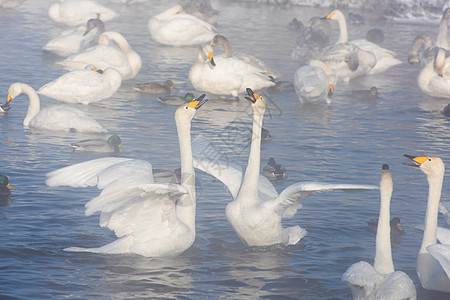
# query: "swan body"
385,59
380,281
174,27
225,75
83,86
78,12
123,58
55,117
155,88
257,209
432,267
150,219
5,186
111,145
72,41
314,82
434,79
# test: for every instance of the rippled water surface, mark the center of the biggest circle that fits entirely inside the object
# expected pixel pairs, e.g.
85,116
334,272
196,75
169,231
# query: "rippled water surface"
346,141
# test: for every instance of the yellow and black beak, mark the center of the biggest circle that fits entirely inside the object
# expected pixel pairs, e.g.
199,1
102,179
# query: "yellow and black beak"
9,98
252,97
100,71
211,59
417,160
10,186
330,90
198,102
328,17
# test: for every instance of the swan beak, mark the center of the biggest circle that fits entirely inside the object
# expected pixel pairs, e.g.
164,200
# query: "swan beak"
252,96
329,16
97,70
330,90
10,186
9,98
211,59
418,160
198,102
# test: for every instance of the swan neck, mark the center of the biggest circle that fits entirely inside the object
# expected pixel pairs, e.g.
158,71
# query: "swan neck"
228,49
431,217
34,106
343,35
441,40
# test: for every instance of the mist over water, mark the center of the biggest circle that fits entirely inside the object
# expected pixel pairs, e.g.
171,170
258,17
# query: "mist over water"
346,141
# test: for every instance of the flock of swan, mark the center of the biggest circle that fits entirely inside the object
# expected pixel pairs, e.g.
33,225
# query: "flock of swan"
154,218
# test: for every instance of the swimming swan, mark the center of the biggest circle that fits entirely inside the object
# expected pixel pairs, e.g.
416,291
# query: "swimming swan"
385,59
124,59
174,27
257,209
380,281
83,86
433,262
434,79
150,219
58,117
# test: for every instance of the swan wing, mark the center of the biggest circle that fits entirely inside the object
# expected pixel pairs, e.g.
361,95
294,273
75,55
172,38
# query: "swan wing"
441,252
397,285
362,279
288,202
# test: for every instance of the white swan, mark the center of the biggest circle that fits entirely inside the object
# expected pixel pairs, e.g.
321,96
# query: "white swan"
83,86
385,59
111,145
433,267
225,75
380,281
176,28
422,50
434,79
104,55
58,117
149,219
72,41
78,12
257,209
314,81
442,38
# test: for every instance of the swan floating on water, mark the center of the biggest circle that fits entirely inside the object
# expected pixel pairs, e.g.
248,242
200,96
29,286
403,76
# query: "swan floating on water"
58,117
257,209
433,262
434,79
174,27
83,86
150,219
380,281
111,145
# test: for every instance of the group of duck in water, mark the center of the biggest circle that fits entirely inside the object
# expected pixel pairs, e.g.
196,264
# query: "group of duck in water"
154,218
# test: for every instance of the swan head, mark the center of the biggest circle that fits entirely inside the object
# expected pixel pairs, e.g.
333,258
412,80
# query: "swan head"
335,15
431,166
94,23
208,53
219,40
14,90
187,111
386,184
258,103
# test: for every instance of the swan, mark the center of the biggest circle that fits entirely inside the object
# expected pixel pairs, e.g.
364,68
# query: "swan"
274,171
314,82
174,27
249,59
433,266
78,12
422,50
155,88
444,209
150,219
442,38
124,59
266,136
225,75
111,145
385,59
72,41
83,86
54,117
380,281
5,186
257,209
434,79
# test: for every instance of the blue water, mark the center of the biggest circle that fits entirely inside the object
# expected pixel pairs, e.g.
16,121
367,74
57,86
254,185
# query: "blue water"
346,141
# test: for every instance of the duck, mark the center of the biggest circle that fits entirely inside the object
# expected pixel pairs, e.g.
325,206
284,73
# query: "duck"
72,41
174,27
314,81
370,94
123,58
225,75
78,12
380,281
434,79
175,99
155,88
396,226
59,117
83,86
150,219
5,186
433,266
111,145
385,58
274,171
256,211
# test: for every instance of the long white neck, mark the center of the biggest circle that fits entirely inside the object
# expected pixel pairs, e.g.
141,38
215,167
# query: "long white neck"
187,203
249,188
343,35
383,255
34,106
442,39
431,217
